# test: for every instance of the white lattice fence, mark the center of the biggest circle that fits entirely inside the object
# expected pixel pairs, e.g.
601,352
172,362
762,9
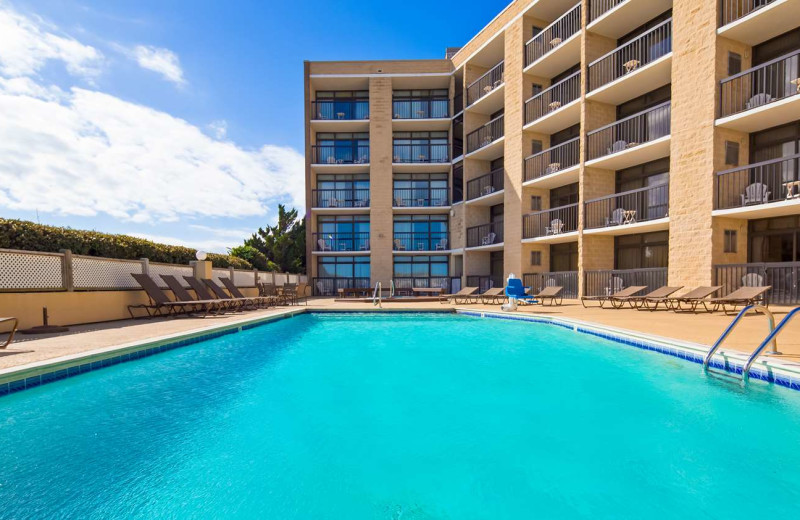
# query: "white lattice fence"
178,271
244,278
90,272
30,270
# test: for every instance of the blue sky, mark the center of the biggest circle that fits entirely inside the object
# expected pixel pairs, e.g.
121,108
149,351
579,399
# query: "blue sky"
182,120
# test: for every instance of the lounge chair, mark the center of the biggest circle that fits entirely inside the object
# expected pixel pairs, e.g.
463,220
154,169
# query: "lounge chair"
160,304
463,296
688,302
250,303
214,306
636,301
551,293
493,295
14,324
236,293
742,296
515,290
628,291
202,292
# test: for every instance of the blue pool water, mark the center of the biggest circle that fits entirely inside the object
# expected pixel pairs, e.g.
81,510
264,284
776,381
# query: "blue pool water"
400,417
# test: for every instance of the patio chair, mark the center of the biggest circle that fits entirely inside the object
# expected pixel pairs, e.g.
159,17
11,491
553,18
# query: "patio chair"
250,303
236,293
365,245
617,217
160,304
756,193
398,245
555,227
270,291
214,306
14,322
488,239
635,301
323,245
618,146
688,302
493,295
291,293
202,292
606,298
441,245
465,295
516,290
752,280
742,296
552,293
757,100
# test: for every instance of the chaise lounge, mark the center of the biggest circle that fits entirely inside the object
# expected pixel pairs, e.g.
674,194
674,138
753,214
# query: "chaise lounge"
465,295
214,306
160,304
552,294
628,291
742,296
14,324
635,301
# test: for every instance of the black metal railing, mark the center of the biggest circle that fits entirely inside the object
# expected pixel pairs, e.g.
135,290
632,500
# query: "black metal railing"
340,110
484,283
485,184
598,8
421,241
421,108
338,242
485,135
553,98
766,182
783,277
599,283
421,153
340,154
552,160
485,84
404,285
772,81
327,286
637,53
649,125
420,197
550,222
628,207
485,234
566,279
553,35
340,198
733,10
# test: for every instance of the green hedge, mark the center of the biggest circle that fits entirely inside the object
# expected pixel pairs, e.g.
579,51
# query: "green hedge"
29,236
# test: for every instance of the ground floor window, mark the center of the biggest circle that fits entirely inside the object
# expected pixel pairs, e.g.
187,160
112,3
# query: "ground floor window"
642,251
340,272
421,266
774,239
564,257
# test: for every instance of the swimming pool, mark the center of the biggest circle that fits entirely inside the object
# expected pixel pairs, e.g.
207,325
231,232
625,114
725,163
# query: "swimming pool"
400,416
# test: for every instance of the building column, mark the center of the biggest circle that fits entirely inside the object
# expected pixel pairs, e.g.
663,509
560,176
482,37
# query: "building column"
381,218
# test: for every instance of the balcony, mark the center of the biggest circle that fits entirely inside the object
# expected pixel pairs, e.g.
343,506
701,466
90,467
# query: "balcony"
616,18
554,108
421,198
762,97
783,277
557,47
766,189
630,212
486,190
605,282
341,242
639,66
421,113
554,167
328,286
630,141
340,116
485,95
756,21
415,242
486,142
486,236
553,226
340,199
566,279
430,157
333,158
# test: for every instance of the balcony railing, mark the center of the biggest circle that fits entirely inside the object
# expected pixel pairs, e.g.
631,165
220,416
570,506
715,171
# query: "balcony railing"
769,82
566,279
783,277
403,285
421,153
599,283
420,197
635,54
733,10
766,182
552,160
421,241
331,110
485,135
328,286
629,207
550,222
485,184
654,123
339,242
553,98
339,154
598,8
485,84
484,283
553,35
420,108
340,198
485,234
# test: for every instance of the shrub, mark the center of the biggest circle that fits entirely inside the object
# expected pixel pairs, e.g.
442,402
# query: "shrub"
256,258
29,236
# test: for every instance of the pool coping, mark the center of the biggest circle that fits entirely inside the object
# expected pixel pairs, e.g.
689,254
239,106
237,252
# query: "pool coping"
31,375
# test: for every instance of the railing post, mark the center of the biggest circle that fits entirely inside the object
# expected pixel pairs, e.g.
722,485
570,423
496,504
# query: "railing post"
66,270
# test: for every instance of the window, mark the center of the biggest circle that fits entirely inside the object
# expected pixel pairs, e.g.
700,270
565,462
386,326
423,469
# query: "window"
458,182
420,147
536,146
496,213
421,104
776,47
420,233
458,136
420,189
564,257
536,258
343,148
536,89
342,190
564,195
339,272
342,104
734,63
730,241
497,164
656,202
774,239
565,135
666,15
565,74
420,267
536,203
342,233
645,101
641,251
731,153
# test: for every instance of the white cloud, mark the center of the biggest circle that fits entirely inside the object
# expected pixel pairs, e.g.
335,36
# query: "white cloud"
219,128
211,244
162,61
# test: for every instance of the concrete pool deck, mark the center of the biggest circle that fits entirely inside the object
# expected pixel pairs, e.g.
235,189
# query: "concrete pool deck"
700,328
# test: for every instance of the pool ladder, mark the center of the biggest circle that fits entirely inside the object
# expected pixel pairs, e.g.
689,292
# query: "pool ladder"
376,296
769,341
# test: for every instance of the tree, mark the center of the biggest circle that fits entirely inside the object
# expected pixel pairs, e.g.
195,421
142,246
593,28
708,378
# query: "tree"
256,258
283,245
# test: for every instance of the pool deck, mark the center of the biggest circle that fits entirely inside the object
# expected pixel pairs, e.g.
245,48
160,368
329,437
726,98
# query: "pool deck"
700,328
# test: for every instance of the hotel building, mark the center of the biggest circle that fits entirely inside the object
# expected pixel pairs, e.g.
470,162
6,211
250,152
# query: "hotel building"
592,145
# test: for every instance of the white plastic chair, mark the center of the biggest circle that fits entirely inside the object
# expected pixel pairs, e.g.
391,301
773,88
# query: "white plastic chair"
756,193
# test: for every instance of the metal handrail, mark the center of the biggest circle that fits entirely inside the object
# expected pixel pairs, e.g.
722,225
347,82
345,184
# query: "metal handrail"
770,339
376,296
733,324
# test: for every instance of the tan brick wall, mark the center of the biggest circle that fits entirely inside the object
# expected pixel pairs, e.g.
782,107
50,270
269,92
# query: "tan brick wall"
380,177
